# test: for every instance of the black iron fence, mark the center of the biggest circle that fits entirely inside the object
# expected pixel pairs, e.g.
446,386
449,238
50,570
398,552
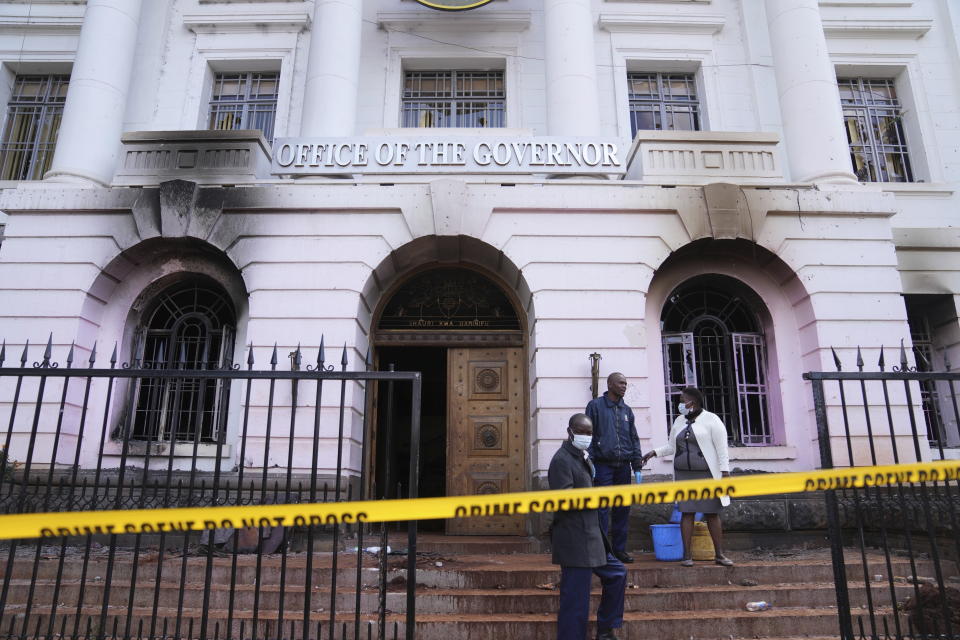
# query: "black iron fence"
76,440
902,540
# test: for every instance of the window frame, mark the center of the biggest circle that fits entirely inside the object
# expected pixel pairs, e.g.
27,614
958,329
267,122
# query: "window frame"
247,103
451,101
155,400
662,101
45,124
869,113
682,354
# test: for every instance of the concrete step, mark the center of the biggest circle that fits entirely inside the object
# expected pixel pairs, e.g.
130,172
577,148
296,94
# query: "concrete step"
456,572
710,623
441,601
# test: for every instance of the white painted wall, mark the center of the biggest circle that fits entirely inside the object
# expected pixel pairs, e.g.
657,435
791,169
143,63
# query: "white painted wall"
588,252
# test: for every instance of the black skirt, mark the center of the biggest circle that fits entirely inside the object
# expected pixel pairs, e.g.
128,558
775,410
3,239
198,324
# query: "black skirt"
708,505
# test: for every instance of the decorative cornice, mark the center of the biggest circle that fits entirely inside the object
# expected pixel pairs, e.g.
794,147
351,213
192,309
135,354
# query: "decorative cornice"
878,28
417,21
247,21
41,23
698,24
866,3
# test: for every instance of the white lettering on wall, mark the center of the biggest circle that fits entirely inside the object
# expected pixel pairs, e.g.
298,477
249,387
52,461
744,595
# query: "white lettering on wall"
478,154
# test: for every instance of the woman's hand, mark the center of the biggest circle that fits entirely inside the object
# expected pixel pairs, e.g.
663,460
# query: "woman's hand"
646,457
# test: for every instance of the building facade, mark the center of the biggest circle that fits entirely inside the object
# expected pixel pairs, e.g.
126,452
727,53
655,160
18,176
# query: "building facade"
708,192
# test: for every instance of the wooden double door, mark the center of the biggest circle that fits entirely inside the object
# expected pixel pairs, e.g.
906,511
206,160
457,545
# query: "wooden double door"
485,432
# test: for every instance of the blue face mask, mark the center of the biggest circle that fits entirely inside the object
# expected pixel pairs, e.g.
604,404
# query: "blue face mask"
683,409
581,441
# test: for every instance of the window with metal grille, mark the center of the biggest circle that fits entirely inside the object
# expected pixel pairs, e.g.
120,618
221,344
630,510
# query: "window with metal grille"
872,116
244,101
31,126
666,101
475,99
712,340
920,311
189,326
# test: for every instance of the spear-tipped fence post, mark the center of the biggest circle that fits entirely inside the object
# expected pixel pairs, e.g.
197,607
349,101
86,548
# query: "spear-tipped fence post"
23,356
321,355
296,359
70,356
250,357
881,361
48,351
859,359
92,360
343,357
273,358
113,357
836,359
903,356
3,352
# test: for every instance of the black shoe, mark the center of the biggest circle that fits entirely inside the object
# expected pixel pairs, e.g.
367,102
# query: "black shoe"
606,635
623,557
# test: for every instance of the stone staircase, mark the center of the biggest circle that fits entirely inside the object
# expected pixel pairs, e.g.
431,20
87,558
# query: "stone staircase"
467,589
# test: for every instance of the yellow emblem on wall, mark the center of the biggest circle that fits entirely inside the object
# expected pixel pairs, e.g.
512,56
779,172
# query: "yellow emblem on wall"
453,5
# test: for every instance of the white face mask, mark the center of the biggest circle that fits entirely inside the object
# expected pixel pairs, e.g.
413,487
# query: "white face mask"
683,409
581,441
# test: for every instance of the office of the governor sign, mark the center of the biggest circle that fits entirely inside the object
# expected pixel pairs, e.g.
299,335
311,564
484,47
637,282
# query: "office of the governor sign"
467,154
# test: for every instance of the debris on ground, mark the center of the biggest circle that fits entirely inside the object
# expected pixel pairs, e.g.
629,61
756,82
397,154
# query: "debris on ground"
925,609
547,586
748,582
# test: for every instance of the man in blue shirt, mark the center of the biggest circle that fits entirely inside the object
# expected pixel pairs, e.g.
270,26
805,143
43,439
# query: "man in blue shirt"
614,450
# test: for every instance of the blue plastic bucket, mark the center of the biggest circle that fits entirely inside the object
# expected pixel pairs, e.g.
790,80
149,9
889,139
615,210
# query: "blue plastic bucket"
667,544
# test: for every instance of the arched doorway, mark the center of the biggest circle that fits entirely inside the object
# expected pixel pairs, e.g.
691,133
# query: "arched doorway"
459,327
713,339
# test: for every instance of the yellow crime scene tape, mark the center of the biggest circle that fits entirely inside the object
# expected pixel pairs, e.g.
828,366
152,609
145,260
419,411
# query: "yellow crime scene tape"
33,525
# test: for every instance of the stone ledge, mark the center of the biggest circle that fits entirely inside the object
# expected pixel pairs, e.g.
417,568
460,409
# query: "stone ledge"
763,453
206,157
701,157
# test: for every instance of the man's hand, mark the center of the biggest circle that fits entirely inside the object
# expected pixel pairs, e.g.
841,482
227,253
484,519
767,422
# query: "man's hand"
637,477
646,457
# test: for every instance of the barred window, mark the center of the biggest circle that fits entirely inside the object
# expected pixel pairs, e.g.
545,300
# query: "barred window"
872,115
31,127
187,326
244,101
712,339
924,312
663,101
475,99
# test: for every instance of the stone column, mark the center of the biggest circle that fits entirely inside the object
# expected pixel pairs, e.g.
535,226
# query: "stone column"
813,130
333,69
573,107
89,139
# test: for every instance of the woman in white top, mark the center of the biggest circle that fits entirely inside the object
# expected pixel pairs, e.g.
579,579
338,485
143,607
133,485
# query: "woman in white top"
698,444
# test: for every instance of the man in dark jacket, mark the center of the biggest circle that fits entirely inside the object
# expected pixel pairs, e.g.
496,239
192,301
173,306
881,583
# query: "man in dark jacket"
580,547
615,449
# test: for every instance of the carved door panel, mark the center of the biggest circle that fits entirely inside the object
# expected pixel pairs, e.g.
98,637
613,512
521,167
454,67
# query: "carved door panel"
485,432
